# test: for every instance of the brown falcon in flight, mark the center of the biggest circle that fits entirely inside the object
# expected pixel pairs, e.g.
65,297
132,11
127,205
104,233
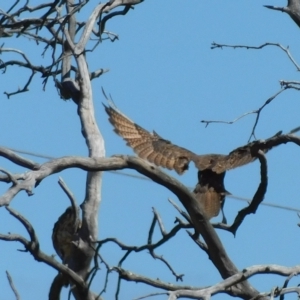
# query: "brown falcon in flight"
210,190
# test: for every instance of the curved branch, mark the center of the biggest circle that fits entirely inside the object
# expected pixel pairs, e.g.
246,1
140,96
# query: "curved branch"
72,199
258,197
111,15
226,285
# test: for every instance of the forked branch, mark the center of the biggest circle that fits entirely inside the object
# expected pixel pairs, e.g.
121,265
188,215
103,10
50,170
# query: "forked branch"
257,112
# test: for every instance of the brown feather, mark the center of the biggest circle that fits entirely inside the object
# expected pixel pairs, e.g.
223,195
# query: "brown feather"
151,147
210,192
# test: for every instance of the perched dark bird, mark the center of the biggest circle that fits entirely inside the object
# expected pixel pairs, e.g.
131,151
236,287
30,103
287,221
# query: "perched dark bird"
210,190
63,233
292,9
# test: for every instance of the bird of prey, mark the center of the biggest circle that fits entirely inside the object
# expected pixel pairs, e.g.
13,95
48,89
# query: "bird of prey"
210,190
63,234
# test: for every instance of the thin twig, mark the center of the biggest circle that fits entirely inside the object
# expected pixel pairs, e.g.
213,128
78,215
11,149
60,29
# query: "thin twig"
183,213
11,283
159,221
71,197
257,112
151,295
284,49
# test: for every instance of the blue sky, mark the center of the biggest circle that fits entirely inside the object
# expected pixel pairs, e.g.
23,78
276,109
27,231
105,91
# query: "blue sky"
164,76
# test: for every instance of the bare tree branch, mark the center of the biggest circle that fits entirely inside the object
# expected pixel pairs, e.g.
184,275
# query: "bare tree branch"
7,179
11,283
70,196
292,9
284,49
164,234
111,15
24,89
286,282
197,241
10,25
284,84
258,197
257,112
290,84
183,213
150,295
101,8
130,276
225,285
149,246
10,176
17,159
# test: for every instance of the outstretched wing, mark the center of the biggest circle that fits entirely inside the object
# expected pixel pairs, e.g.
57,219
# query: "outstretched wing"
221,163
150,146
236,158
161,152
